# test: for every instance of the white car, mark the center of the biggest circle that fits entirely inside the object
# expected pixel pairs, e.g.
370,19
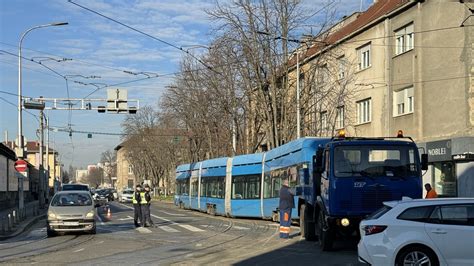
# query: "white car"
419,232
126,195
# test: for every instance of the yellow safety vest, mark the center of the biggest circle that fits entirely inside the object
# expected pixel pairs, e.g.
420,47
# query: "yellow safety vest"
142,196
134,200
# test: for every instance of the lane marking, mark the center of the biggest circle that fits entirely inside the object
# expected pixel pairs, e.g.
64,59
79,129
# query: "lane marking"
128,218
100,242
191,228
188,227
143,230
79,250
168,229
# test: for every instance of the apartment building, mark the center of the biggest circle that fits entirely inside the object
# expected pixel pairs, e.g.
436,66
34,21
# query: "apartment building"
400,65
125,176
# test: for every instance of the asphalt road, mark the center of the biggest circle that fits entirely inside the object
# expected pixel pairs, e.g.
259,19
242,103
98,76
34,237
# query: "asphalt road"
180,237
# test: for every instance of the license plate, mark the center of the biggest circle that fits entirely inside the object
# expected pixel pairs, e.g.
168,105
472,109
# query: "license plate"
71,223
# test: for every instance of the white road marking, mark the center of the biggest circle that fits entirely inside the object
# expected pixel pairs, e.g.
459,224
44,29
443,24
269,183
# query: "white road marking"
241,228
100,242
128,218
191,228
185,226
143,230
168,229
79,250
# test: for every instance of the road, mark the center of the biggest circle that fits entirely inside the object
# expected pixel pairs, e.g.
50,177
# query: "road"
180,237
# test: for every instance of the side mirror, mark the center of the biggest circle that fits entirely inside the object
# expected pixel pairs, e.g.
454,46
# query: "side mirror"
424,161
318,161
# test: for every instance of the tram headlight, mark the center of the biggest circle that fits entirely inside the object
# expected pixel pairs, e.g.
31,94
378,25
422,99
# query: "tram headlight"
345,222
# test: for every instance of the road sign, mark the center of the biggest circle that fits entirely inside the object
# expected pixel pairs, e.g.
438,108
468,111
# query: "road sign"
21,166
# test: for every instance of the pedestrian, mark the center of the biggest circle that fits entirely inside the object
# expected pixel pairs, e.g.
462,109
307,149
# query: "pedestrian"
143,206
286,204
147,213
430,192
137,212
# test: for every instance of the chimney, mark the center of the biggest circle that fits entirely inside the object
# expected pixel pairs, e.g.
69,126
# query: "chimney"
6,137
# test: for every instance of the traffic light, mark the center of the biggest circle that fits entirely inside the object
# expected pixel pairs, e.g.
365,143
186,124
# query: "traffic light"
89,136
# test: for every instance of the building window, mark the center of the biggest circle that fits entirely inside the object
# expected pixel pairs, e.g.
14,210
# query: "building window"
364,55
302,81
130,183
403,101
324,122
404,39
341,62
130,169
364,111
340,117
444,179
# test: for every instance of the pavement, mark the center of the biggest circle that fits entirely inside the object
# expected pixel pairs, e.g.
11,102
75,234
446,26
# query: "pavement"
31,218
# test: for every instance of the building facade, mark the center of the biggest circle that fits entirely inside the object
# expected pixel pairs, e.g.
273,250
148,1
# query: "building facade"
401,65
125,176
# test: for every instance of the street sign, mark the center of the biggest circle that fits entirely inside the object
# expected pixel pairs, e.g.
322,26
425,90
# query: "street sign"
21,166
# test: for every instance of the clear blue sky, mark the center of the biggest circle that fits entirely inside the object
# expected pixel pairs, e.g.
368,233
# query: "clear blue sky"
98,47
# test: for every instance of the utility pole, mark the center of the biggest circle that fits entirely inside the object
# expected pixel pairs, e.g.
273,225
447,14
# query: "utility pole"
47,158
42,191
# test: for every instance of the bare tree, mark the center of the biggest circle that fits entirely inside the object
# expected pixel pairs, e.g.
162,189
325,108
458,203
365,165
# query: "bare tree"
95,177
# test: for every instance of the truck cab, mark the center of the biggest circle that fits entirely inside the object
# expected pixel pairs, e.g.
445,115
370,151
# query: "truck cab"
357,175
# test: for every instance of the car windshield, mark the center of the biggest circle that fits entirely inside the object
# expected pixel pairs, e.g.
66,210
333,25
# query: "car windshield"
127,192
75,187
375,161
379,213
71,199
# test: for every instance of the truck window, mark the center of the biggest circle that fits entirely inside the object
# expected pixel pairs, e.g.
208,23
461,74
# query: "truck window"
375,161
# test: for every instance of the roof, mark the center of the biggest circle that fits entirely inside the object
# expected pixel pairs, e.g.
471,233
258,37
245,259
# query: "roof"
7,152
217,162
427,202
377,11
248,159
295,145
31,146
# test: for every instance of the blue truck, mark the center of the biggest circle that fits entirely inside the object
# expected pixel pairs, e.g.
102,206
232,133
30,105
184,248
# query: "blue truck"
351,177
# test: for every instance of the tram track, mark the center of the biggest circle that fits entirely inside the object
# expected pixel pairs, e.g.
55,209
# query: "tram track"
54,247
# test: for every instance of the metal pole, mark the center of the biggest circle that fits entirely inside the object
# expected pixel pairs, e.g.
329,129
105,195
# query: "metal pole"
298,129
40,164
48,176
20,150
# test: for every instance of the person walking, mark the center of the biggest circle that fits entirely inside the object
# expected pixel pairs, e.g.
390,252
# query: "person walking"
147,213
137,212
430,192
143,207
285,206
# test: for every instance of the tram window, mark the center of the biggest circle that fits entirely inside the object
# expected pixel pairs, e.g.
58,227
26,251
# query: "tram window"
194,187
246,187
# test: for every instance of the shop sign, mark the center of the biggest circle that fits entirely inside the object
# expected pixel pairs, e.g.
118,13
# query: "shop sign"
439,151
463,157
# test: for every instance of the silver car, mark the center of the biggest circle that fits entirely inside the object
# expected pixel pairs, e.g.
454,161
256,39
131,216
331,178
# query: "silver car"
71,211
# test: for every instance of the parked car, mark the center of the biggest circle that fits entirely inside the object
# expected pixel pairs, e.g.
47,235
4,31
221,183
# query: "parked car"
104,195
419,232
126,195
71,211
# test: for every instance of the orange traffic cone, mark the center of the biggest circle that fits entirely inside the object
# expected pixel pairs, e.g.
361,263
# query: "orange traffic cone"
109,214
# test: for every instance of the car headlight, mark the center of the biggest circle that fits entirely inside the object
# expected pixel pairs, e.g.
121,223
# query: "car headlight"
90,214
51,215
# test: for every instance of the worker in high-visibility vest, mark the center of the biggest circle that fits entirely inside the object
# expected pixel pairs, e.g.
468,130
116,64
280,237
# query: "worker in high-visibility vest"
147,213
144,209
137,211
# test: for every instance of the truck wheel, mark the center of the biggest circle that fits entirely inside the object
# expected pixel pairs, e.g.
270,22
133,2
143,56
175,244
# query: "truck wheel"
326,235
306,227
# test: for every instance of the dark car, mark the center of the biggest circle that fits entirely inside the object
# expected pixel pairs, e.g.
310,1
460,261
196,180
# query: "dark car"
69,187
104,195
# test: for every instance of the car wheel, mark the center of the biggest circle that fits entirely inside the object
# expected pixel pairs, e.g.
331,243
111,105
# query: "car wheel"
306,227
326,235
50,233
417,255
93,231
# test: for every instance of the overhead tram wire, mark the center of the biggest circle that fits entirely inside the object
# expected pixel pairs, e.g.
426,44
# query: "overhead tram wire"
144,33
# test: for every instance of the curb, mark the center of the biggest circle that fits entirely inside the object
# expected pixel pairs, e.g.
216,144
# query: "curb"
23,228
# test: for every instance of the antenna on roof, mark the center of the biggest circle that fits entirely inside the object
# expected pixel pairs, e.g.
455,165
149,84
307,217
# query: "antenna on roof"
360,6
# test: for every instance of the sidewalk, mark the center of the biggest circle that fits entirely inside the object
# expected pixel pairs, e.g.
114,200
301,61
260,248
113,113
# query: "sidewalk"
11,224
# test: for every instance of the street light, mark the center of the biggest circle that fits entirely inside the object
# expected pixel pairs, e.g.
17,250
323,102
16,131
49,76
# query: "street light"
20,151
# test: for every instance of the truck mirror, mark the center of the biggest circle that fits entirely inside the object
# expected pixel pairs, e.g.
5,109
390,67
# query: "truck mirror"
318,161
424,161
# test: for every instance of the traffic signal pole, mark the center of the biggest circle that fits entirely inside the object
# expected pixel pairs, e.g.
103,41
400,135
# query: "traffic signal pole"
42,191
